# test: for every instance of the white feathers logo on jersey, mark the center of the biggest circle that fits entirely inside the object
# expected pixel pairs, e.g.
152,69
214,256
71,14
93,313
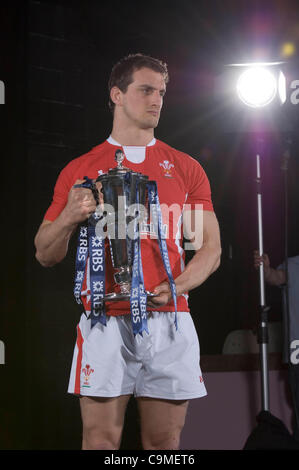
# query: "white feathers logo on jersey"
167,166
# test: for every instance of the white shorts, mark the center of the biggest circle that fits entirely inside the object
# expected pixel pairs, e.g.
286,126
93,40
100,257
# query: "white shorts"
109,361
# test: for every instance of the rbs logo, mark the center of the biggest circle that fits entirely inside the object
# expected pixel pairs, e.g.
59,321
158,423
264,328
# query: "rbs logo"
2,92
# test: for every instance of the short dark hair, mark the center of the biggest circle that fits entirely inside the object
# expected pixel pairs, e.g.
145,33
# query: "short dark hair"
122,72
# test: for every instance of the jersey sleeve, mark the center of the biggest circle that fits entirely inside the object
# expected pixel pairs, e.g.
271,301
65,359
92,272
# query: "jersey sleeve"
61,190
199,189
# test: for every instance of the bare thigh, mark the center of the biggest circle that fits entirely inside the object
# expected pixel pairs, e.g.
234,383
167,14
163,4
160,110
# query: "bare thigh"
102,420
161,422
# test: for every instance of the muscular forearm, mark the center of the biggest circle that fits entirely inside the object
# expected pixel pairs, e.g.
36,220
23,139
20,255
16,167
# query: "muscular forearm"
200,267
52,241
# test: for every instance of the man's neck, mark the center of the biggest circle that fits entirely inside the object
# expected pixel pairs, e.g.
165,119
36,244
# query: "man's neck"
134,137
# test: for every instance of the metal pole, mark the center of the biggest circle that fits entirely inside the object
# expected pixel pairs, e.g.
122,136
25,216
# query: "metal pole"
263,326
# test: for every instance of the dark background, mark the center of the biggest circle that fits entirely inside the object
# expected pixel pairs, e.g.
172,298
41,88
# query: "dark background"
55,62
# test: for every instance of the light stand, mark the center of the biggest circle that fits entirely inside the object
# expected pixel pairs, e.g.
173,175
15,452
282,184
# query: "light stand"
270,432
263,321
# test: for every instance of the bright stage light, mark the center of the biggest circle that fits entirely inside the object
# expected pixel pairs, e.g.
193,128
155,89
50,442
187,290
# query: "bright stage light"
253,97
257,87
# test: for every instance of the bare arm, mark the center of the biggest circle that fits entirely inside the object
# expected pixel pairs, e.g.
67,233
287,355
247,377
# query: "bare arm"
274,277
51,241
205,261
52,238
206,258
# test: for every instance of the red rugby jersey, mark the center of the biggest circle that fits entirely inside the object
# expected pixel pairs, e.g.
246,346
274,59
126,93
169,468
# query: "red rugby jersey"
180,181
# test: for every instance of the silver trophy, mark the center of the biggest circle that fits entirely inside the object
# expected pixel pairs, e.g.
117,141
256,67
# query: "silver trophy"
121,209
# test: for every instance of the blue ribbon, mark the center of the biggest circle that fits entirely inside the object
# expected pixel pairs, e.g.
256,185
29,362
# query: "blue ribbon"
138,298
97,275
81,259
155,208
92,246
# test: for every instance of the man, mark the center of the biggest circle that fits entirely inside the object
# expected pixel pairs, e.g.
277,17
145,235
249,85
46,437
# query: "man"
161,368
277,277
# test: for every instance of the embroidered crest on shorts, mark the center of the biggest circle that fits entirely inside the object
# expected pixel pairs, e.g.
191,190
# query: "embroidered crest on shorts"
87,371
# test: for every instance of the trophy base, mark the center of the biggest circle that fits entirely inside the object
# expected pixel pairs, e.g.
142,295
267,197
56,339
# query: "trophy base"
117,297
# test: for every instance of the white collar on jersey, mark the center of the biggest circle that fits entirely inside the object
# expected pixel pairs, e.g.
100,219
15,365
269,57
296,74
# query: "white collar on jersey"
133,153
113,142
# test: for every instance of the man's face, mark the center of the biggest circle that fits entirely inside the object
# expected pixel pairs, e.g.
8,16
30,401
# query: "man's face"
142,102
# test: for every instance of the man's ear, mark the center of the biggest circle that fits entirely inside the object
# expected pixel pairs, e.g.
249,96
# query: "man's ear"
116,95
